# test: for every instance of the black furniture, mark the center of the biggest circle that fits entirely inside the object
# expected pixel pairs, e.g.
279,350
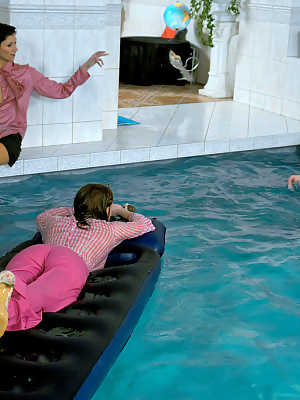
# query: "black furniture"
144,60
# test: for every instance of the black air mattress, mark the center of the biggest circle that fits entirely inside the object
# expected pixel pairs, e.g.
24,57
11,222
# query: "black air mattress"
69,353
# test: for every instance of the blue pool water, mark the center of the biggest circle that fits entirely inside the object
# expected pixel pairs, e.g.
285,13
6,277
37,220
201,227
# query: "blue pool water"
224,320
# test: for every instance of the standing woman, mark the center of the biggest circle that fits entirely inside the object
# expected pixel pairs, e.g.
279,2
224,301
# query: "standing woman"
17,82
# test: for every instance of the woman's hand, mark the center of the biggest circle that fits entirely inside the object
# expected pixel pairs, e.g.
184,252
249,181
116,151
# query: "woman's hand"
293,179
118,210
94,59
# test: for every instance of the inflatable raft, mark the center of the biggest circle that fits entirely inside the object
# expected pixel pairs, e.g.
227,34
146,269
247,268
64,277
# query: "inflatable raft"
69,353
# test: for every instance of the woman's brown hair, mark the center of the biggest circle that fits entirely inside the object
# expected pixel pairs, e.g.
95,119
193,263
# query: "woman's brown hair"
91,201
6,30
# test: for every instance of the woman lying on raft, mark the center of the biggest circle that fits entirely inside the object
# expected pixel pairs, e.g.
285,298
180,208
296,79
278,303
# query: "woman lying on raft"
48,277
17,82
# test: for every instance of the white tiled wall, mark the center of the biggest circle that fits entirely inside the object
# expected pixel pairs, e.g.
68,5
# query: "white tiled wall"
268,57
56,37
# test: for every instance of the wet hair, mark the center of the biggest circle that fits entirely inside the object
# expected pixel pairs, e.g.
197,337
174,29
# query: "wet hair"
6,30
91,201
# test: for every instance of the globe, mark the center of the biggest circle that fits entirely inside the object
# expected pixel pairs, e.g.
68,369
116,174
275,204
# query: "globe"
177,16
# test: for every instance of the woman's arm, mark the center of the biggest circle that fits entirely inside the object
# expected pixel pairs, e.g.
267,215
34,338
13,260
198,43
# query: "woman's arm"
50,88
293,179
42,219
94,59
138,225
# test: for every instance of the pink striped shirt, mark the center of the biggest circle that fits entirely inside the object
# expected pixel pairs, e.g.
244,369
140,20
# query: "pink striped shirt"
17,84
58,227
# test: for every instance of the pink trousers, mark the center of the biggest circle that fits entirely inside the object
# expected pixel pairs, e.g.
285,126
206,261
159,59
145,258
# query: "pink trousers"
48,278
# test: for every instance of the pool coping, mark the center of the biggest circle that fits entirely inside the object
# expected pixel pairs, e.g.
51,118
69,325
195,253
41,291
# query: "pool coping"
38,160
160,137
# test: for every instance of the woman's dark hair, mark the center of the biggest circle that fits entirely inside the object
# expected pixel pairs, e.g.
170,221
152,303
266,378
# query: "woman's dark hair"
91,201
6,30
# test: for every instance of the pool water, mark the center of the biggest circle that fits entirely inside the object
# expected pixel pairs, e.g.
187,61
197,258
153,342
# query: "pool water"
224,319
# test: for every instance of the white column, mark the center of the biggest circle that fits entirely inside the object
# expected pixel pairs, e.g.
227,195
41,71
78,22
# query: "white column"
218,84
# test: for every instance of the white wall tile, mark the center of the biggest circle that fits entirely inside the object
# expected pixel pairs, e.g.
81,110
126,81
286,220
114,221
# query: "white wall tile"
283,12
55,134
163,152
88,100
135,155
60,2
241,95
291,109
35,110
110,119
292,84
293,125
243,72
240,144
73,162
279,41
30,43
15,170
35,2
40,165
87,42
268,77
292,139
110,89
246,38
59,20
262,40
275,81
216,146
293,49
190,149
87,132
257,99
88,2
57,111
27,20
273,104
59,52
268,141
33,136
105,158
113,47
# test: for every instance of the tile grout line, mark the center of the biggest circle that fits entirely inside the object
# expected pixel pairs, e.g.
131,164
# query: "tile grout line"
168,124
208,125
286,125
248,122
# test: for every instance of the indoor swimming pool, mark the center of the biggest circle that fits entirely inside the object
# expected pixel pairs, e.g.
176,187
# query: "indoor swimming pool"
224,319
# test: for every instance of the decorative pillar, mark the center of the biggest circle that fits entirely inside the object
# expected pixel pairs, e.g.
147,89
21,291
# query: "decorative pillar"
218,84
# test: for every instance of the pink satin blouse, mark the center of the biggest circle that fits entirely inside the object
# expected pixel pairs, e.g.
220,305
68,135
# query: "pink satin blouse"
17,83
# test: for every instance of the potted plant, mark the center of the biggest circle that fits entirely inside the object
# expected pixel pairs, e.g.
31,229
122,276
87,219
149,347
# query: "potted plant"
205,13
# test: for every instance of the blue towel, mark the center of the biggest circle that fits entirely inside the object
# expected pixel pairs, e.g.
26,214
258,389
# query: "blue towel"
126,121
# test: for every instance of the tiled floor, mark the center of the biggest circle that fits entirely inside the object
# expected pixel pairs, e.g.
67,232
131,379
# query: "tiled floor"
158,95
170,131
